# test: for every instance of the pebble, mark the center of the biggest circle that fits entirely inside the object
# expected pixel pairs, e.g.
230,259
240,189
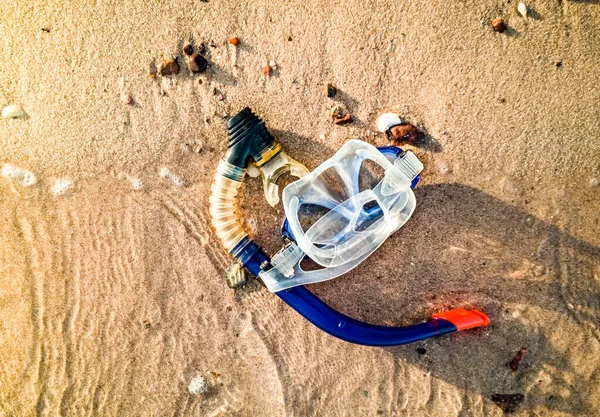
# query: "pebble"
188,49
169,67
26,178
498,25
338,111
13,111
522,9
198,385
266,70
126,99
331,91
595,182
234,41
61,186
516,362
197,63
343,120
405,133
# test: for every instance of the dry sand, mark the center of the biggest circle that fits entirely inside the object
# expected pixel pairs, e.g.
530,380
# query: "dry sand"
112,299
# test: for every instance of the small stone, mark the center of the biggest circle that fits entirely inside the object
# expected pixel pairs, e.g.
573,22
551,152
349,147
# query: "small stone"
197,63
404,133
421,351
522,9
558,64
289,39
514,364
498,25
338,111
169,67
126,99
595,182
273,65
234,41
202,49
151,75
46,30
198,385
331,91
266,70
13,111
188,49
508,402
343,120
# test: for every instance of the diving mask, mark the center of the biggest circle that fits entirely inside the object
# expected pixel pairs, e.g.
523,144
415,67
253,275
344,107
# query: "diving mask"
341,212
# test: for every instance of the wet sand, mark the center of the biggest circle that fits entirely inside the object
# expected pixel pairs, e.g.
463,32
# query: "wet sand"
112,296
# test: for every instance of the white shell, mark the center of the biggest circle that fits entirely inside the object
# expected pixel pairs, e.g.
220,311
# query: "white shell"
252,171
522,9
387,120
13,111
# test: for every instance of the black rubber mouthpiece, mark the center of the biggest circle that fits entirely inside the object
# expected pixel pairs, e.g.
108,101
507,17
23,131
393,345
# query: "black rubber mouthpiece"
248,138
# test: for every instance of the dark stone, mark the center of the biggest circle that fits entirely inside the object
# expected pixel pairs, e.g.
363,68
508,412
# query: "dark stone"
188,50
197,63
331,91
421,351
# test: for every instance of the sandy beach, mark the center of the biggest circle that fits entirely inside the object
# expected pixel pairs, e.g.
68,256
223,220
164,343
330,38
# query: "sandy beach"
113,300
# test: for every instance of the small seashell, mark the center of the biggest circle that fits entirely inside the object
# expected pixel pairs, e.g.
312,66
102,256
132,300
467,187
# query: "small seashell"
522,9
234,41
273,65
13,111
387,120
235,275
252,171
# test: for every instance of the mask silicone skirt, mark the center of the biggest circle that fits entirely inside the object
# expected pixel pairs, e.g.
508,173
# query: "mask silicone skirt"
351,211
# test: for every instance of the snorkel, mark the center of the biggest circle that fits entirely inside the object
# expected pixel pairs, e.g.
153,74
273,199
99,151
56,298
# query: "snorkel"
352,223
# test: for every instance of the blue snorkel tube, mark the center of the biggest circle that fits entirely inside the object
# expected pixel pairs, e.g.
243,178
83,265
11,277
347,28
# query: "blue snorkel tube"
250,140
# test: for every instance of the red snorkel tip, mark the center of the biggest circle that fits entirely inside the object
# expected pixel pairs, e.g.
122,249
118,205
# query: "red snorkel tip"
464,319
